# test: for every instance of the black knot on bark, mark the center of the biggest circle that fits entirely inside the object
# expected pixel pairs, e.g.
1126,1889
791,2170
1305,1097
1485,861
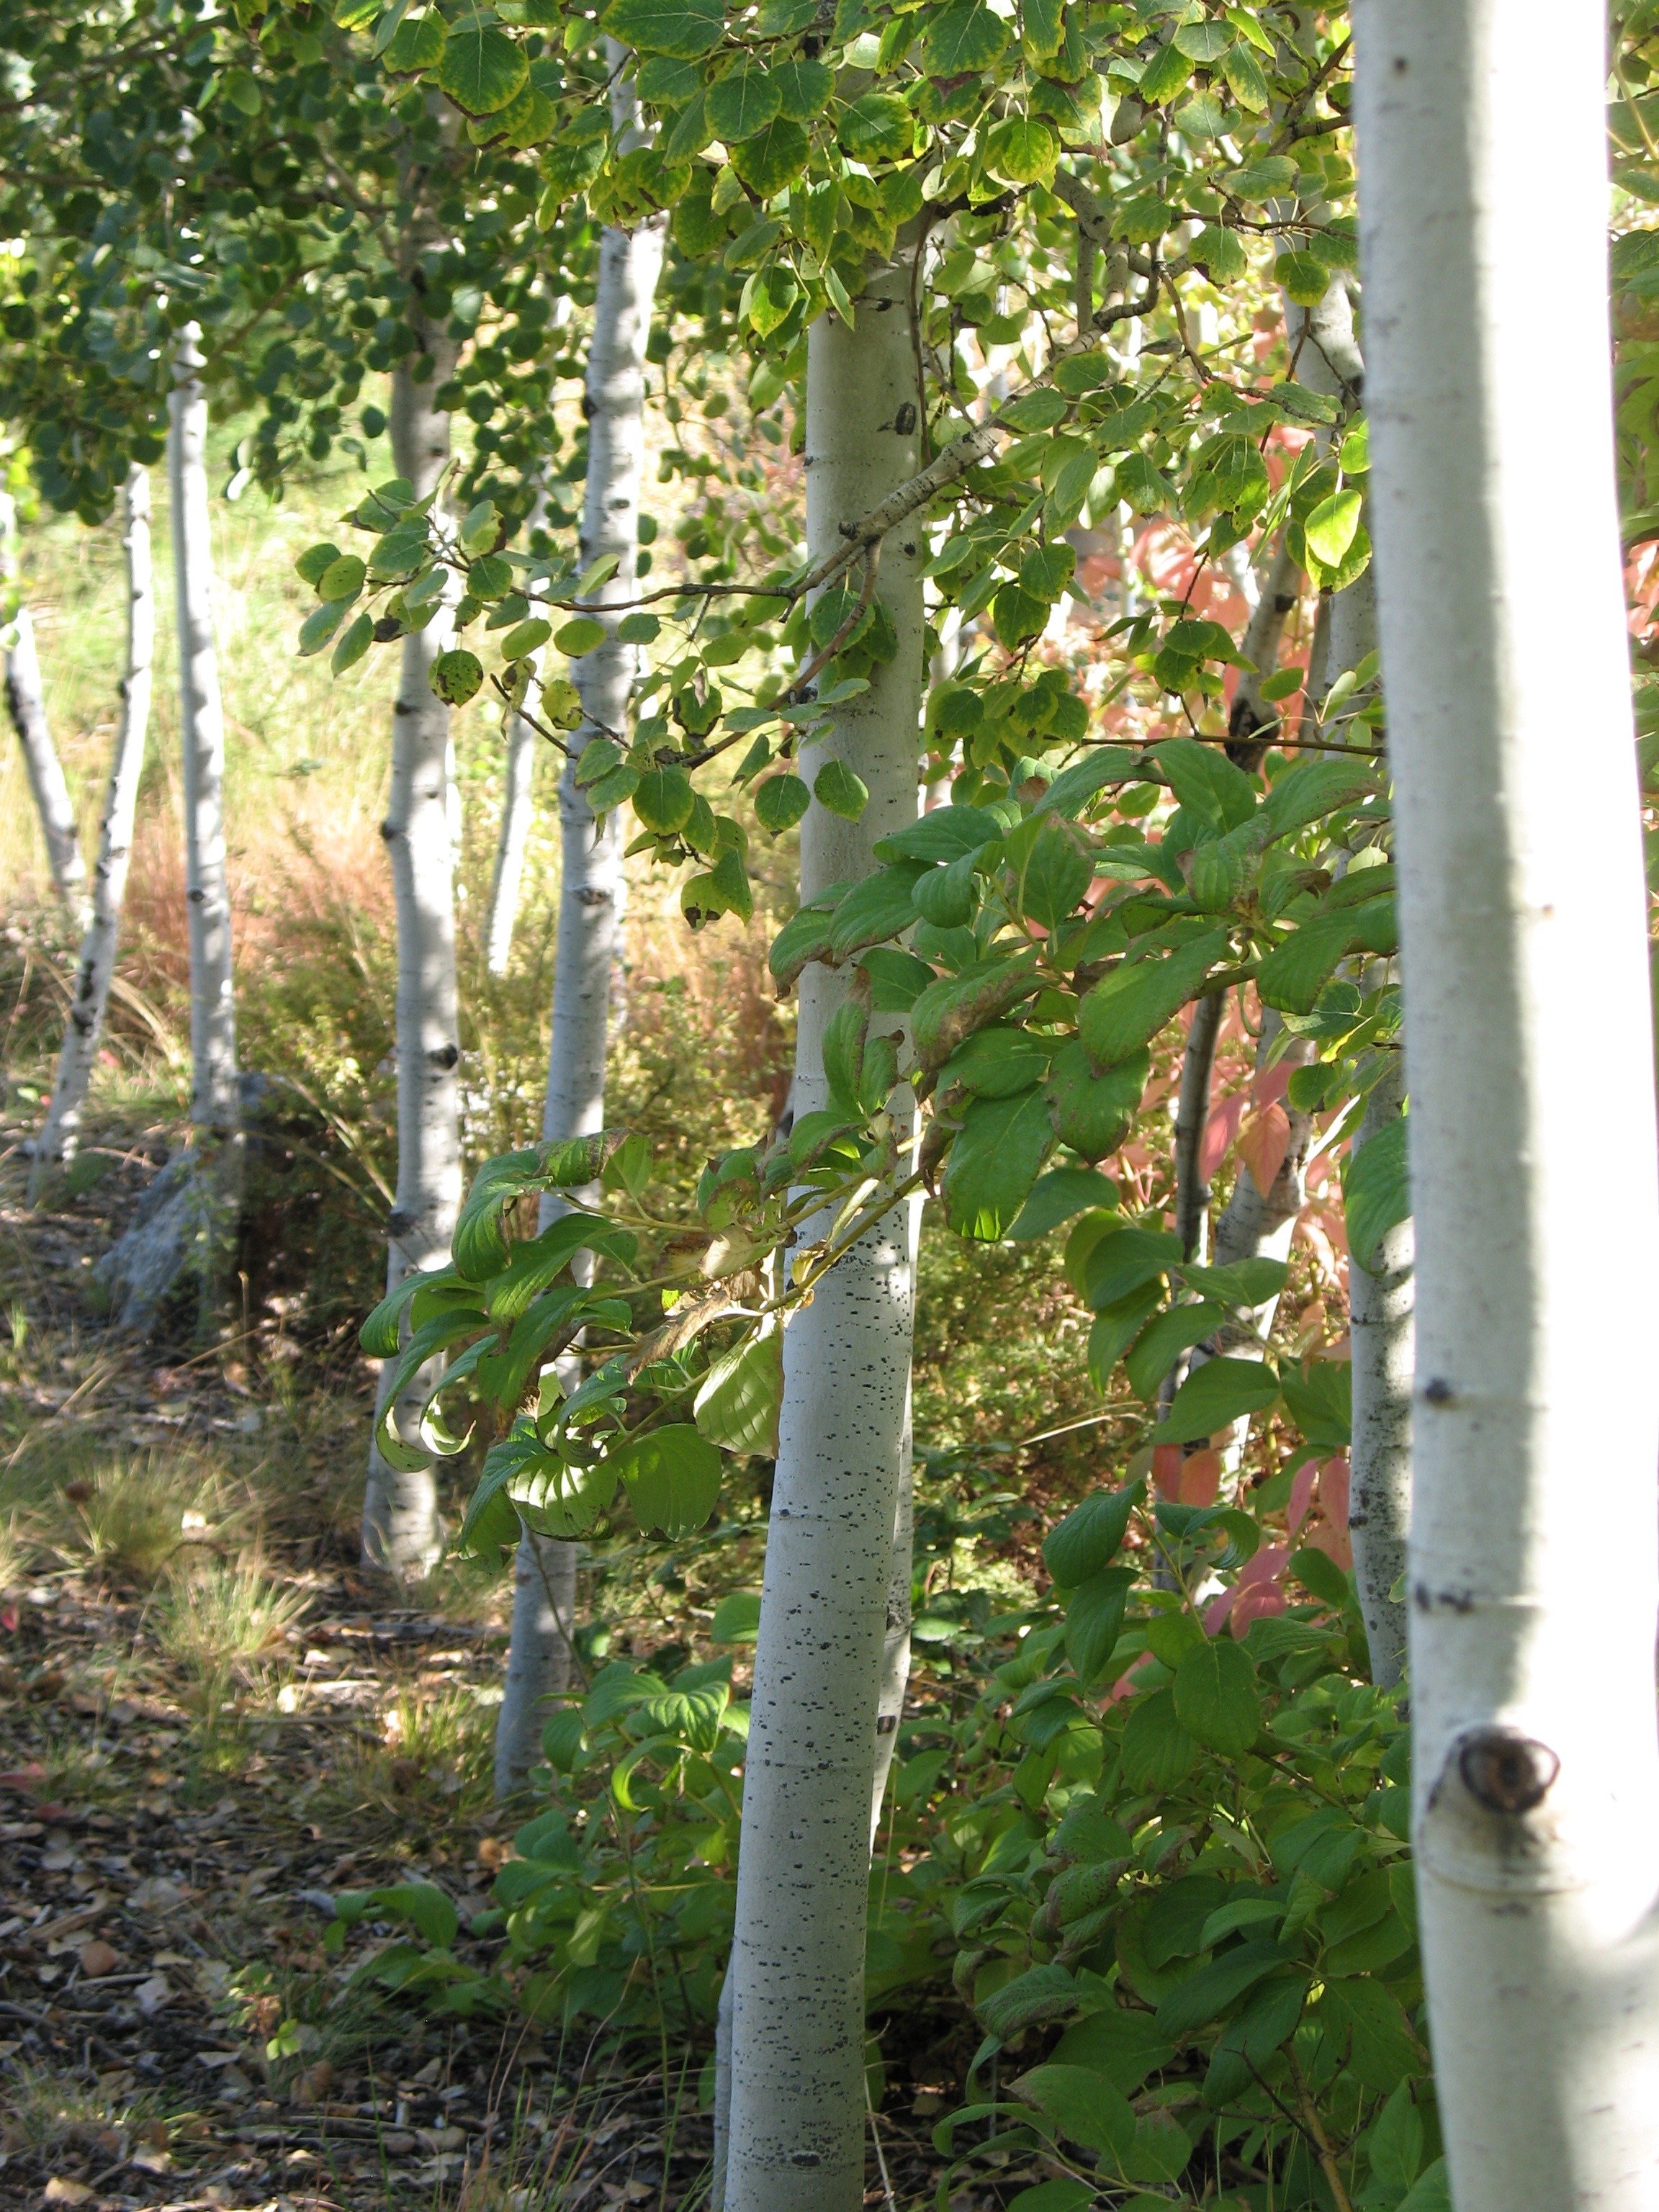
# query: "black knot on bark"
1505,1771
445,1057
905,420
886,1723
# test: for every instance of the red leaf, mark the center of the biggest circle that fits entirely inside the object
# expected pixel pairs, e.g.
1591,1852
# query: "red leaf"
1262,1144
1167,1463
1219,1133
1334,1490
1200,1477
1302,1495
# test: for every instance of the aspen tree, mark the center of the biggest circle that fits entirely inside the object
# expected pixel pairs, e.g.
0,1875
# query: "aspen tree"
60,1133
1523,944
796,2141
592,888
401,1531
26,704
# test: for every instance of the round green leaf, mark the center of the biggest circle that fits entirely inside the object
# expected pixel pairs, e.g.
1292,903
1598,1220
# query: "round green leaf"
773,158
780,802
562,704
804,87
1303,276
837,788
1023,149
769,296
638,628
879,127
964,37
743,103
1215,1697
578,635
663,800
684,28
316,561
353,645
673,1477
524,637
482,68
456,677
737,1618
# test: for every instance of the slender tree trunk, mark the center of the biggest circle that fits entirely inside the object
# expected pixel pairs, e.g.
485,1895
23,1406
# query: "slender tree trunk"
590,896
517,807
401,1529
1380,1315
1192,1119
1534,1586
1253,721
60,1134
216,1106
797,2095
25,703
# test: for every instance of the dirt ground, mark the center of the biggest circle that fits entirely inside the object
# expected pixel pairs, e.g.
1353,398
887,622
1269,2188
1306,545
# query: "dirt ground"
209,1724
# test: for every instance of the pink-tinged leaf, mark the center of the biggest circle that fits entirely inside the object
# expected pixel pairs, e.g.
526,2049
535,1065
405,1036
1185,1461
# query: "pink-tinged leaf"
1200,1478
1334,1490
1302,1495
1262,1144
1267,1566
1167,1462
1335,1543
1125,1684
1258,1602
1218,1134
1273,1083
1215,1613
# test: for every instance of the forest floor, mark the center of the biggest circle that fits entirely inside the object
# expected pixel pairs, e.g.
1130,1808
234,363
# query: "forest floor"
209,1724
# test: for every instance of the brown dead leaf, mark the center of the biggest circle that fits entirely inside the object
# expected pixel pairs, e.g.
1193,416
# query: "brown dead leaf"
311,2086
98,1958
61,2191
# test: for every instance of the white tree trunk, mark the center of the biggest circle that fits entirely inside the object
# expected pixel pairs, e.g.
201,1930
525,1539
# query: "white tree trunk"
517,808
1535,1587
60,1134
25,703
1380,1316
401,1529
797,2093
590,894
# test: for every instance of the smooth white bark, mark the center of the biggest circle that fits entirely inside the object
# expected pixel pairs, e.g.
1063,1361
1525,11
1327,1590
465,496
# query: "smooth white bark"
519,774
796,2093
60,1133
1534,1584
592,891
1380,1323
214,1101
25,703
401,1529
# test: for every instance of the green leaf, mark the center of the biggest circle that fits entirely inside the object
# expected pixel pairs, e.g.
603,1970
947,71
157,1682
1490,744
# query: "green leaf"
964,37
877,127
1205,782
804,87
1215,1395
1330,529
1303,277
1059,1194
743,103
320,624
1215,1700
1161,1343
1158,1751
684,28
524,637
1090,1536
1040,1993
559,1498
897,979
1094,1111
996,1157
479,1245
1023,149
1082,2104
945,834
1169,72
1378,1192
1043,28
342,579
737,1618
1246,79
673,1477
1128,1009
663,800
455,676
1220,251
1292,977
1248,1283
1094,1619
878,908
1057,874
738,1406
1205,41
780,803
1430,2192
1382,2050
353,645
840,791
1202,1997
482,68
578,635
1124,1260
562,1744
995,1063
